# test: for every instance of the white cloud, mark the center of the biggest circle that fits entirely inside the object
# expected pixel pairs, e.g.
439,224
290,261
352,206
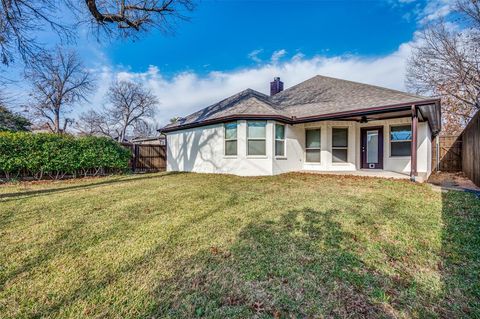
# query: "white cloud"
426,12
277,55
254,55
436,9
188,92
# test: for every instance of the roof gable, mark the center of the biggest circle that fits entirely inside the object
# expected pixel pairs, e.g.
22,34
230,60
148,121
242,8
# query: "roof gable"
246,102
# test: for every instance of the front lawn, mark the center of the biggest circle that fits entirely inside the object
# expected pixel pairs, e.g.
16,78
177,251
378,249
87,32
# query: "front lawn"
192,245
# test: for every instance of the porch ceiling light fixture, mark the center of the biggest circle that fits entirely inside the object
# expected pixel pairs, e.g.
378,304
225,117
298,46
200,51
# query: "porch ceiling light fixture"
364,119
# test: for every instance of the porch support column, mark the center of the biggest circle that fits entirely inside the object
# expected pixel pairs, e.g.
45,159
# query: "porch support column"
413,164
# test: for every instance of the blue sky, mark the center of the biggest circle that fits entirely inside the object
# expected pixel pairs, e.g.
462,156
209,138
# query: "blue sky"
228,46
221,34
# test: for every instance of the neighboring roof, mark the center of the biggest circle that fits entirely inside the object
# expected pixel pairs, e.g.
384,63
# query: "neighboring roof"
319,96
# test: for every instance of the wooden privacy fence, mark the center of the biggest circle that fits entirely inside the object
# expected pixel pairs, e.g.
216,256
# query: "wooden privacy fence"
449,151
147,157
471,150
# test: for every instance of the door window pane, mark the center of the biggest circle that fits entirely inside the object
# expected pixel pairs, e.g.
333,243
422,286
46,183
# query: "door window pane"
372,146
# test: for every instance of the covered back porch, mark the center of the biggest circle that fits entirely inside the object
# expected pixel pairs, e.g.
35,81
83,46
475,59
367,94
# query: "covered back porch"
390,144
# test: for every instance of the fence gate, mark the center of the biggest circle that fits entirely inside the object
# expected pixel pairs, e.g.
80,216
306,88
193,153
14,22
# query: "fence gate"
449,150
147,157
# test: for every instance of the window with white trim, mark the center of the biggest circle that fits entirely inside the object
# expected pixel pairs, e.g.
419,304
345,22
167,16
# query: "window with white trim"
230,138
312,145
339,145
400,140
279,140
256,138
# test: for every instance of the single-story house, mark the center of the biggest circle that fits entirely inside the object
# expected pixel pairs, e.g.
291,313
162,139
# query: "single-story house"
323,124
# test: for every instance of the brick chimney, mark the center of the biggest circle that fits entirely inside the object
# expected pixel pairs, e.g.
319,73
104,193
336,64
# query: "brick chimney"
276,86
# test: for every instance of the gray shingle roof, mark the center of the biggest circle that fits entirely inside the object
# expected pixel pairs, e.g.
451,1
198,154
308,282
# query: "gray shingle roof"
317,96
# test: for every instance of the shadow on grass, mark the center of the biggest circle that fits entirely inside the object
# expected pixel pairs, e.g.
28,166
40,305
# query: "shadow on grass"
460,264
305,265
89,287
103,182
301,265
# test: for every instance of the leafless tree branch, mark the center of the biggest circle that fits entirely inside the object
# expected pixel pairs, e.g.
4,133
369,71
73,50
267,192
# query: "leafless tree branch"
446,63
59,81
130,108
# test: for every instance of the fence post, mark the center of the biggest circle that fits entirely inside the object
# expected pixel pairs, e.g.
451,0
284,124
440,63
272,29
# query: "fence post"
135,157
437,154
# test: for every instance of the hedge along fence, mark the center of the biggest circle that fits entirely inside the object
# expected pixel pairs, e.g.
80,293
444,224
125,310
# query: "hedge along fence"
55,156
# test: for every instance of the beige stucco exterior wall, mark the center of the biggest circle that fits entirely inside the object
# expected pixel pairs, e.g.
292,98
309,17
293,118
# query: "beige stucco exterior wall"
202,150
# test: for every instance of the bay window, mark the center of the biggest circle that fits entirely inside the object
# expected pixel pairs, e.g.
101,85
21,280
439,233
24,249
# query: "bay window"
312,145
230,138
256,138
279,140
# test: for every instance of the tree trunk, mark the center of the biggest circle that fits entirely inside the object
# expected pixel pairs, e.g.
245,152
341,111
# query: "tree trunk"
56,123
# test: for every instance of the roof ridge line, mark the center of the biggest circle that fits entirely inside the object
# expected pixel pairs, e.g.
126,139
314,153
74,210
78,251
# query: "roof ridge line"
372,85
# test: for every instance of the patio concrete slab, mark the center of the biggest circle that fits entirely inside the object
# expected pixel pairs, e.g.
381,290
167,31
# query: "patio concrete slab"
368,173
445,181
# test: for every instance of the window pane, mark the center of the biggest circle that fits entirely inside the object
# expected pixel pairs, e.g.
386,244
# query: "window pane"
231,147
256,147
339,155
231,130
279,131
279,148
313,156
372,146
401,133
313,138
339,137
256,129
400,148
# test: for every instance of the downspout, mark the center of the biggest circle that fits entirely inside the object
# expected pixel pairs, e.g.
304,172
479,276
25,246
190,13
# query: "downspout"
437,153
413,152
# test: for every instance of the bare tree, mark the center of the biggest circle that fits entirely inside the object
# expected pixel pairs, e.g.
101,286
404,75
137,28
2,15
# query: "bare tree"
94,123
130,16
20,21
59,82
130,108
145,129
447,63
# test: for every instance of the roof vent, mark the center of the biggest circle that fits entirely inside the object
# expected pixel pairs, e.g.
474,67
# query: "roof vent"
276,86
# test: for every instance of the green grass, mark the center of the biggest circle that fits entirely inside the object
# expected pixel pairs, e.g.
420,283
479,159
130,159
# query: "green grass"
192,245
